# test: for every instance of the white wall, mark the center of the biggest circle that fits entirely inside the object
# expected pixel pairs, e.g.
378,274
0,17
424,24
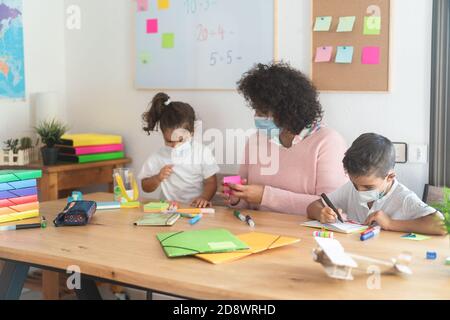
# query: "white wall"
101,97
43,22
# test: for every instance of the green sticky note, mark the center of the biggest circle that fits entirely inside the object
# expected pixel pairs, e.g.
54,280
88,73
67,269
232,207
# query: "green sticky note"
372,25
346,24
144,58
344,54
168,40
323,24
415,237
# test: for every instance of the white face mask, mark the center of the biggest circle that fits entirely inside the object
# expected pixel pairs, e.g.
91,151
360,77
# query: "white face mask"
370,195
180,152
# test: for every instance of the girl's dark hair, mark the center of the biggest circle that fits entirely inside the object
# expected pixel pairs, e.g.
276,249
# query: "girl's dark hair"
370,154
284,92
171,115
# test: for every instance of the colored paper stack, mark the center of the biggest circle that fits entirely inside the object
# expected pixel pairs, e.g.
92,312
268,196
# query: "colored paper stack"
18,195
88,147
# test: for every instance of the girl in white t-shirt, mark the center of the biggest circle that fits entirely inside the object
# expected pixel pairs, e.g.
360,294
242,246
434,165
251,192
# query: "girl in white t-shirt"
184,169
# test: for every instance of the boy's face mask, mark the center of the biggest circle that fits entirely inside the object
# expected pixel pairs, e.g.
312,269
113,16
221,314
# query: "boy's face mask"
374,194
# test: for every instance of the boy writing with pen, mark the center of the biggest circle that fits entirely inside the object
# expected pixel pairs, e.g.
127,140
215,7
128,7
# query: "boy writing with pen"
373,195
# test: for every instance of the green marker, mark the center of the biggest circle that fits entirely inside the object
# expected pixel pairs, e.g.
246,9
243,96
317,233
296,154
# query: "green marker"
239,215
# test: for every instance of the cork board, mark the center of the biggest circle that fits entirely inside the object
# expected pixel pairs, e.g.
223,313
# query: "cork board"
363,73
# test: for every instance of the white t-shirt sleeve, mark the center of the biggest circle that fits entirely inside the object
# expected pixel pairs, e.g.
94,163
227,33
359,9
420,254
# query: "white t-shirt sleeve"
150,168
209,164
414,208
341,196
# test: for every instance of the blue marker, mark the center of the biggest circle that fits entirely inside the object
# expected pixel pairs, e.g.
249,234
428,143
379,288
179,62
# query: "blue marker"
369,235
195,219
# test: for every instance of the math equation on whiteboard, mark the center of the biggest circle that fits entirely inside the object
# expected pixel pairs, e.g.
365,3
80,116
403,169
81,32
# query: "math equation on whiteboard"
201,44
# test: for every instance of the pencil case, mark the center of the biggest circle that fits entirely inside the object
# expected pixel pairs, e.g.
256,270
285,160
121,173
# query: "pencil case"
76,213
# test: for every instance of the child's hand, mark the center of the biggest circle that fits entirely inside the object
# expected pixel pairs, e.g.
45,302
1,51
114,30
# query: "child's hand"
165,172
201,203
327,215
381,218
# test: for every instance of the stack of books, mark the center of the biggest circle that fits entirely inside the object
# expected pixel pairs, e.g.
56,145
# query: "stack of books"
18,195
90,147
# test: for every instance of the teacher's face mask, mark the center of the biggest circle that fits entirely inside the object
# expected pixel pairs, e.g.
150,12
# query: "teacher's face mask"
269,127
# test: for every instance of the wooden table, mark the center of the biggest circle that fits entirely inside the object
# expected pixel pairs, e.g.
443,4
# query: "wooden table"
112,249
66,177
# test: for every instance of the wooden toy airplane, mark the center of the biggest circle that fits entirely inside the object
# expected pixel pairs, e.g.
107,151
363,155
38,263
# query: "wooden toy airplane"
339,265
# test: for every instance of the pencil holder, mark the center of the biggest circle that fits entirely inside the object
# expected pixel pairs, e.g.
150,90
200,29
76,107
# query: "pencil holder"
125,185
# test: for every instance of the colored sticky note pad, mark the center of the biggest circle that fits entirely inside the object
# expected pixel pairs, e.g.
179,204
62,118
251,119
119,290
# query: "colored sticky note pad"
323,54
163,4
344,54
415,237
142,5
323,24
371,55
152,26
372,25
346,24
144,58
168,40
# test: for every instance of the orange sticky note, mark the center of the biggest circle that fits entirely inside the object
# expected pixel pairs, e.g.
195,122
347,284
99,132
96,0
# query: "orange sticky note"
163,4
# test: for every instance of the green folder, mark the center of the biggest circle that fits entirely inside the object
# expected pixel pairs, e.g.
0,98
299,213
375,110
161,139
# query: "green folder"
17,175
91,157
186,243
158,219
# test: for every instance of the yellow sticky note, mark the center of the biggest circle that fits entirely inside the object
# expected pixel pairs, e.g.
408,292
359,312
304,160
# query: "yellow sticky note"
163,4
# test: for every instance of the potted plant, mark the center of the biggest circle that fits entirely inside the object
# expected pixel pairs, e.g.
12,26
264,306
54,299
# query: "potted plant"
11,145
50,133
444,208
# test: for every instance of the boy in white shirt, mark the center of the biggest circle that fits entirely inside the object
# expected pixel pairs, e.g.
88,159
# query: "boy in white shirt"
374,196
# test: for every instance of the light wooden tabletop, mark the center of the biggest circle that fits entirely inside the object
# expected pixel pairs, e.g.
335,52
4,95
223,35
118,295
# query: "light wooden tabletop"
112,248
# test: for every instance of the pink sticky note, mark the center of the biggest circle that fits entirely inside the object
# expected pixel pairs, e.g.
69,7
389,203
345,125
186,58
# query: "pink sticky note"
371,55
142,5
152,26
323,54
231,180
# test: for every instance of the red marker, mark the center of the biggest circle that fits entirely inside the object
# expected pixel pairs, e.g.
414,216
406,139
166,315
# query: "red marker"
370,230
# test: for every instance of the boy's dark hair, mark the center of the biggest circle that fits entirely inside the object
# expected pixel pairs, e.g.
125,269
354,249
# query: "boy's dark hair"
284,92
370,154
169,115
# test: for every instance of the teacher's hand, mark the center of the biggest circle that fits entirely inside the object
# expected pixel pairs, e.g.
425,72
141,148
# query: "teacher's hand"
251,193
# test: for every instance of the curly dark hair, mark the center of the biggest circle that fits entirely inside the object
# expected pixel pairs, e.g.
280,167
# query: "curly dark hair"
283,92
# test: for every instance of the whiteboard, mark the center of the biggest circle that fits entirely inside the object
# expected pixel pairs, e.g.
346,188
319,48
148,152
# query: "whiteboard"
201,44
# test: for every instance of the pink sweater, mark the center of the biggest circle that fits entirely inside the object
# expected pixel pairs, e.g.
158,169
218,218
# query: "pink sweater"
306,170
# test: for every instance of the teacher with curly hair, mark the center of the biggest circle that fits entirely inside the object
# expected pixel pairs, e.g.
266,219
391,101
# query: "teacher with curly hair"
308,154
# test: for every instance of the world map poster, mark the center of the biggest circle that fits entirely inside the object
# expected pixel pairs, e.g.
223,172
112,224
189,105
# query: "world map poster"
12,73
